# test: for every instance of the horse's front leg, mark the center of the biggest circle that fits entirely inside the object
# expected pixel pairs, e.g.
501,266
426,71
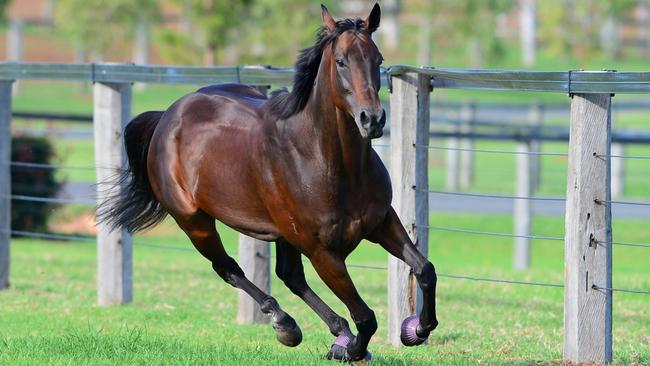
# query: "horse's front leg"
331,269
392,237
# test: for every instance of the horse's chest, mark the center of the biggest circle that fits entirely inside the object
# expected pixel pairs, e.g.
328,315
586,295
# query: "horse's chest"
345,231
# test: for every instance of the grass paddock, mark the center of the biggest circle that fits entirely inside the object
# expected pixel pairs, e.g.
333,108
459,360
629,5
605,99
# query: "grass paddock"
183,313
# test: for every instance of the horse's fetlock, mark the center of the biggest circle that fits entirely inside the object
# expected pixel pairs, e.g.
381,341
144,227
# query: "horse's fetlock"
368,325
269,305
340,326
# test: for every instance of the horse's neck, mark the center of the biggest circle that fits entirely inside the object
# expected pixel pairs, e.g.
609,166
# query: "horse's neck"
339,143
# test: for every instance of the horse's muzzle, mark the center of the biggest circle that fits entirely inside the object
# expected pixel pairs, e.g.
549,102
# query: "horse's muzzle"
376,129
371,123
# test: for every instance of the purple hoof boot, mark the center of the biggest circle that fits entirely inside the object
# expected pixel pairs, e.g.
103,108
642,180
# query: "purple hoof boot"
339,351
408,335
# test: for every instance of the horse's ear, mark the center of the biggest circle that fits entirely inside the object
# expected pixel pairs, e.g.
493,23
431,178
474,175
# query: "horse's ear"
328,21
372,22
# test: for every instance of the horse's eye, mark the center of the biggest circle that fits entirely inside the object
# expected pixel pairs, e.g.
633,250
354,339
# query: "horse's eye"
340,62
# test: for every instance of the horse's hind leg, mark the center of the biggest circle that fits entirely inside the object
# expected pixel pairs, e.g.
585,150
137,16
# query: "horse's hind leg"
290,270
201,230
392,237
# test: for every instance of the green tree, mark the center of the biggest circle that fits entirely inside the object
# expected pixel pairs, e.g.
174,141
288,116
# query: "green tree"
469,22
572,28
280,28
95,24
3,9
220,22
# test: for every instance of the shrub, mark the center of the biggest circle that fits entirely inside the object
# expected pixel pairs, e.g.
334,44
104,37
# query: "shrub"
29,181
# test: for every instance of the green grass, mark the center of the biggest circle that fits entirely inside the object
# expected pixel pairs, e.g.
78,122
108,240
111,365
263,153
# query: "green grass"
183,313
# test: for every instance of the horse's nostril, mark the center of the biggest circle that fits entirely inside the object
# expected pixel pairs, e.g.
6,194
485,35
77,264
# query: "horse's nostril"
363,116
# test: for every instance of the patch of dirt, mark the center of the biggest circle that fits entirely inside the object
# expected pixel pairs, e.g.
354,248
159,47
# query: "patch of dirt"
83,224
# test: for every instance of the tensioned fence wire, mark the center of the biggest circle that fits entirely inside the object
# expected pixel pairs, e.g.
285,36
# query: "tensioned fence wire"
532,198
88,239
25,198
20,164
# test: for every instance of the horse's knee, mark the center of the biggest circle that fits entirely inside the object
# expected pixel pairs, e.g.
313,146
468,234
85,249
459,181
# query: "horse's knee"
426,276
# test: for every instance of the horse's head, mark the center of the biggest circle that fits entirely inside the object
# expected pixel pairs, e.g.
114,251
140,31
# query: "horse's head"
354,62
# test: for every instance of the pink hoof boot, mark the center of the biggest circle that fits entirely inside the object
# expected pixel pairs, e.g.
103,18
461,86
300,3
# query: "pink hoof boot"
408,335
339,351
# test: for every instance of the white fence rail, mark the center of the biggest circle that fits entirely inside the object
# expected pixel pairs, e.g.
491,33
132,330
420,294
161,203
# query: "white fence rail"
588,270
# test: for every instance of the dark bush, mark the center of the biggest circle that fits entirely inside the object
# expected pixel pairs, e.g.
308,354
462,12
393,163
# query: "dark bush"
30,181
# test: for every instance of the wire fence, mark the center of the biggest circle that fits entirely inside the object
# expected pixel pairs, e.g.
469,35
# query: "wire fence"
145,244
158,246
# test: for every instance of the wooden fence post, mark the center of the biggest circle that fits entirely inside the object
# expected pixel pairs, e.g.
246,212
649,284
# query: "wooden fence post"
618,170
15,40
5,181
112,111
381,146
255,261
522,212
141,44
588,226
528,31
452,158
617,164
15,45
535,118
409,119
466,172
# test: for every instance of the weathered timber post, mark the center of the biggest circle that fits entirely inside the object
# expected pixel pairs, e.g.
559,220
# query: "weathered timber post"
528,31
5,181
255,261
382,147
141,54
112,111
409,105
522,212
141,44
535,118
15,45
588,226
618,164
466,171
452,160
618,170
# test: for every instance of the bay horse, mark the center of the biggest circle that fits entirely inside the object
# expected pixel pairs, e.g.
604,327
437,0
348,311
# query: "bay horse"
297,169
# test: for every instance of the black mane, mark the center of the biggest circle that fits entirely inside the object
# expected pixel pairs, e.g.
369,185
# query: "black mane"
284,105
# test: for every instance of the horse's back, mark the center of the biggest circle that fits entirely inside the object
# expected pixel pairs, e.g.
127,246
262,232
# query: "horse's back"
232,90
205,144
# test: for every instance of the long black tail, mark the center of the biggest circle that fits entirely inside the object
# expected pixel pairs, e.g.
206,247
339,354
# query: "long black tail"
132,204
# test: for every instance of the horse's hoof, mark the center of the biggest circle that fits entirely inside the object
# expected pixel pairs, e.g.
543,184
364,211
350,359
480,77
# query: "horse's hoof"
288,332
408,335
339,351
